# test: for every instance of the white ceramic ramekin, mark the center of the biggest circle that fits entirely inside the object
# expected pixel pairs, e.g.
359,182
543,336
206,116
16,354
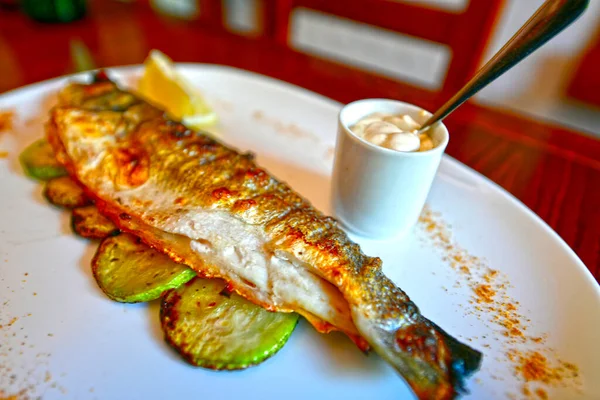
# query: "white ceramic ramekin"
377,192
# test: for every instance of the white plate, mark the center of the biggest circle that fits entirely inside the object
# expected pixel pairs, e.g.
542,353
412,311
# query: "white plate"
69,341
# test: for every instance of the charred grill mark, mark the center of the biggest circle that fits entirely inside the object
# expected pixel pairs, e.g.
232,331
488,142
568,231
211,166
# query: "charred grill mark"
247,282
168,310
76,220
252,178
254,174
227,290
125,216
221,193
244,205
133,166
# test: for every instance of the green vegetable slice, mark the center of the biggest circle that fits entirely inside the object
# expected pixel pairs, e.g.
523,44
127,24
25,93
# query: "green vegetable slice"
39,162
89,223
64,192
129,271
213,328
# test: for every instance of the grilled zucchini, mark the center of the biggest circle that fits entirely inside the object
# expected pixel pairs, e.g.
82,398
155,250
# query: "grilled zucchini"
129,271
39,162
64,192
213,328
89,223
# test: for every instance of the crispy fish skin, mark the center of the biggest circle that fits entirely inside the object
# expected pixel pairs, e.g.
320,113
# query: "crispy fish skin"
192,197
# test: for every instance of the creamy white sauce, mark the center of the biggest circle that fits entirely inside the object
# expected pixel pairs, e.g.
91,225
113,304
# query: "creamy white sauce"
395,132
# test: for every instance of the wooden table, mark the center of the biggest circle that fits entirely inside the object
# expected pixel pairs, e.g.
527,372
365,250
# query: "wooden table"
553,170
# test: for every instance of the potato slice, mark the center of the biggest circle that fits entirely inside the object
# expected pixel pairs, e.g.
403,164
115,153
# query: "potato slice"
64,192
215,329
129,271
89,223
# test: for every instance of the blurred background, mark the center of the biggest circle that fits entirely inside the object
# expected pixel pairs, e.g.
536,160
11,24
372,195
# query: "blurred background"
431,45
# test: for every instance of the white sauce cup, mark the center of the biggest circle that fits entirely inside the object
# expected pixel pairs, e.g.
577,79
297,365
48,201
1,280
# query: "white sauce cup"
377,192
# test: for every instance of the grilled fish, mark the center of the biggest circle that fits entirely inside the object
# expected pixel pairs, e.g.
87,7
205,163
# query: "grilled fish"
213,208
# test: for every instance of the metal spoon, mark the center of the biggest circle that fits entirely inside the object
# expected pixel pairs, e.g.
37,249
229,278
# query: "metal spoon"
548,21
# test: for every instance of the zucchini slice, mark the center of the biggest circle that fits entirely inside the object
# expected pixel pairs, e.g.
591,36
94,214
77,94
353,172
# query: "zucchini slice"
39,162
89,223
213,328
64,192
129,271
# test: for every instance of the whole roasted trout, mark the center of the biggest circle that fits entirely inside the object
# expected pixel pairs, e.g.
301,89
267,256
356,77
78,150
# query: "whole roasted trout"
208,206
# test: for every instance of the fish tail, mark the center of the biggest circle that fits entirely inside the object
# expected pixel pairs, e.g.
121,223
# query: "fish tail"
465,360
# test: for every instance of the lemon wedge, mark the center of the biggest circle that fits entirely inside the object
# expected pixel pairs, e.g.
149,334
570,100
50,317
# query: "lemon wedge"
165,87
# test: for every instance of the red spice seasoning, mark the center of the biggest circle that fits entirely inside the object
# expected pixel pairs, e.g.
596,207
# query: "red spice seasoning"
491,303
6,120
484,293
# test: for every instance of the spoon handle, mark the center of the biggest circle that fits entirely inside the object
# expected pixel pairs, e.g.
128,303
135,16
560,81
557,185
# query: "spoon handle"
549,20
